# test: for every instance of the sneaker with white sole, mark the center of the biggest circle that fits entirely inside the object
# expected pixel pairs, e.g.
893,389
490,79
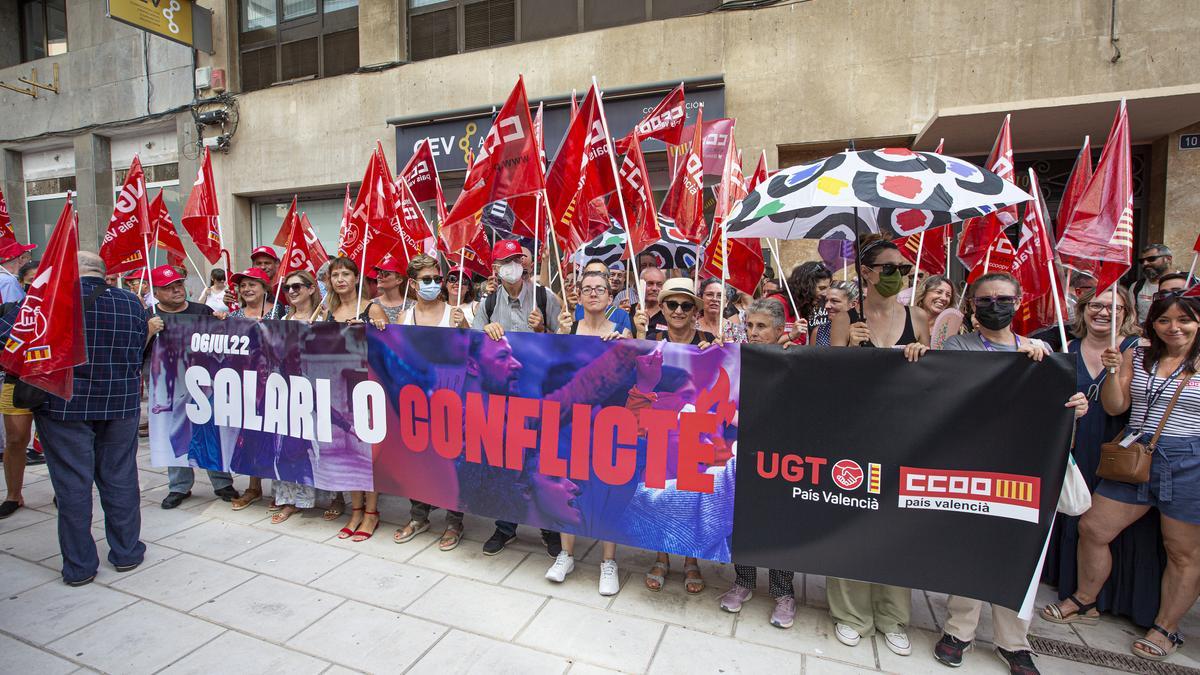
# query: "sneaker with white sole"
785,612
563,565
609,583
733,599
898,643
846,635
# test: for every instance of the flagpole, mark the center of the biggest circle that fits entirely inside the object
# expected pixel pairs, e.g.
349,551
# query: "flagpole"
912,300
537,227
362,267
149,281
784,283
562,279
287,255
612,162
462,268
1192,269
1058,313
724,279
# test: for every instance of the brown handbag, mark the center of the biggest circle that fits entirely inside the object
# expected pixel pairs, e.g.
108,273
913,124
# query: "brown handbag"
1131,463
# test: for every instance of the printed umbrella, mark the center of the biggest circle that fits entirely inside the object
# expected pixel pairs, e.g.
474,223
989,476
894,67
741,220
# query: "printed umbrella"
893,191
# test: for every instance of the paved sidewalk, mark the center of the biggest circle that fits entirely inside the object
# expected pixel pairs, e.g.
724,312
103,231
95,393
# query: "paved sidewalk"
223,590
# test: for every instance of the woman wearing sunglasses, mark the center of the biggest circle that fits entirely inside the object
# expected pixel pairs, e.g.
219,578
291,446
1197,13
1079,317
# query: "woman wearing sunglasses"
859,608
425,284
459,289
289,498
680,307
1149,378
995,298
1133,590
389,281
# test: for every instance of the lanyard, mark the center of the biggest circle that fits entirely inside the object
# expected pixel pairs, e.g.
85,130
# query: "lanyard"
1153,394
991,347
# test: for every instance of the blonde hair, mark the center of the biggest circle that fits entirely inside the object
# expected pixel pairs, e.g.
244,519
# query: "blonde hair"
306,278
1128,325
420,262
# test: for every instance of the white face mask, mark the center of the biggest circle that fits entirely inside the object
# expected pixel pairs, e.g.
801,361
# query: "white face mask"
429,291
511,272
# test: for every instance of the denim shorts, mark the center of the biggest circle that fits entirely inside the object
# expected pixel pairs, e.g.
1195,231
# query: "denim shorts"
1174,487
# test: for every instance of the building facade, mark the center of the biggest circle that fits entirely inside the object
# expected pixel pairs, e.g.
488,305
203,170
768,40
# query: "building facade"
308,87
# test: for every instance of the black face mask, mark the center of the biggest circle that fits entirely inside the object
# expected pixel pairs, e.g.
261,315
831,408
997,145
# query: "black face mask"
995,316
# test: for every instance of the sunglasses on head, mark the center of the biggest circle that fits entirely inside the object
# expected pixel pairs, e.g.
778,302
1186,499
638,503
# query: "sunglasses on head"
674,305
891,268
295,288
989,300
1159,295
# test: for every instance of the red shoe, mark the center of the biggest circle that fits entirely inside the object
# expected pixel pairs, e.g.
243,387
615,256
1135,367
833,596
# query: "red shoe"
346,532
363,535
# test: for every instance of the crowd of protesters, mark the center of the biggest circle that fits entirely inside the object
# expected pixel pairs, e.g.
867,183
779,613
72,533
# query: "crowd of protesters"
1136,552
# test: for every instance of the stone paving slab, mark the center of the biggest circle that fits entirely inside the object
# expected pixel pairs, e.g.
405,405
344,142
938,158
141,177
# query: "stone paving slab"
227,590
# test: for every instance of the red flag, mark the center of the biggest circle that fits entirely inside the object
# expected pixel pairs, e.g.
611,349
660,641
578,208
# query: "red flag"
1100,227
7,236
47,342
732,188
979,233
685,198
761,174
640,218
304,251
539,132
746,263
665,122
716,136
574,107
998,258
200,213
346,209
508,165
1081,173
476,256
285,228
129,227
420,173
413,228
581,173
165,235
367,234
1032,267
933,253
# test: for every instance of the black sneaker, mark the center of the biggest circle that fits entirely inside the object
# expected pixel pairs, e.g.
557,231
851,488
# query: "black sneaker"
80,582
949,650
553,542
34,458
497,542
127,568
227,493
174,499
1019,662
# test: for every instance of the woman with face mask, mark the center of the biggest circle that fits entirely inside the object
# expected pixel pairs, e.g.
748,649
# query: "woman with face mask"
996,298
431,309
886,323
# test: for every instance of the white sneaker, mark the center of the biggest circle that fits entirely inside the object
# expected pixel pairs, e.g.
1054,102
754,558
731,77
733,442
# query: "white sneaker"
846,635
898,643
563,565
609,583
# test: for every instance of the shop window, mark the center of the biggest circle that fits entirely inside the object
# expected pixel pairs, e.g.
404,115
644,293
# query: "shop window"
43,28
284,40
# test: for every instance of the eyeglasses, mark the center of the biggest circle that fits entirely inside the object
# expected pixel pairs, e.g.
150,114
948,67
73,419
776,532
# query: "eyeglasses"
1097,307
673,305
990,300
295,288
1168,294
453,279
1150,258
593,291
425,280
891,268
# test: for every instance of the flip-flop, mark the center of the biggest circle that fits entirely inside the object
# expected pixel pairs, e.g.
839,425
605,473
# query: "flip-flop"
283,514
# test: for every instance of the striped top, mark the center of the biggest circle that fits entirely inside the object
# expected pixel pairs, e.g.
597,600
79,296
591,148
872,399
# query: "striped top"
1184,420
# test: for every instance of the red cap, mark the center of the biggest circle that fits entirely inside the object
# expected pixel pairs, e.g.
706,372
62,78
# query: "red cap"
163,275
506,248
253,273
265,250
14,250
455,269
136,275
390,264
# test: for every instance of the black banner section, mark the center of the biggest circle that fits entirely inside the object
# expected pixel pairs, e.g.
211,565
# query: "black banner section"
941,475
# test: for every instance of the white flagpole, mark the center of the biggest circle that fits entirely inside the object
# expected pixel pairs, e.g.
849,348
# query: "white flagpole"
1058,313
462,270
537,227
912,300
149,281
1192,269
784,283
612,162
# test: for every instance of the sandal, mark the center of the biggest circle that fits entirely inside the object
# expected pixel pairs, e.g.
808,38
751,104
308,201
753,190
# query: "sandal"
286,511
1152,651
693,585
363,535
409,531
248,497
273,507
337,506
1082,614
346,532
450,539
659,579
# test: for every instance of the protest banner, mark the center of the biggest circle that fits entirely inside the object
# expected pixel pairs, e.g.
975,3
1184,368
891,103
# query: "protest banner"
941,475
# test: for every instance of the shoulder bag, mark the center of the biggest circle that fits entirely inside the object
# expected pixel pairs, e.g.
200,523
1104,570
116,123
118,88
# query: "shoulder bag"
1131,463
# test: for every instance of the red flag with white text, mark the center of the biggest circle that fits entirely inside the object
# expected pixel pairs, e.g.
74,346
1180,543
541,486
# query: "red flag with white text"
640,218
304,250
200,213
420,173
684,202
129,228
47,339
580,173
978,234
165,235
745,259
1081,173
1099,232
1033,266
368,235
665,122
998,258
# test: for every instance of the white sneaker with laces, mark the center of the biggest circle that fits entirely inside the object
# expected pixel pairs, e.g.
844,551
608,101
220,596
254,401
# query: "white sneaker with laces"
563,565
609,583
898,643
846,635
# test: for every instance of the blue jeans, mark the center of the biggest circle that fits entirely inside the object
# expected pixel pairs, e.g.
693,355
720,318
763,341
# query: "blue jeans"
182,478
103,452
